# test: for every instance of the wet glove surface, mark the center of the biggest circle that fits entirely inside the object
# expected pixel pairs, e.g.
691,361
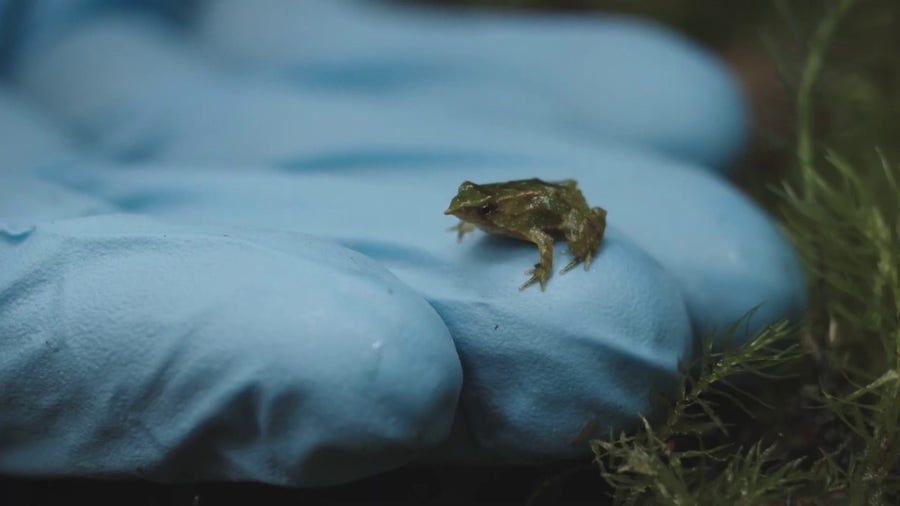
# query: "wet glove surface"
245,272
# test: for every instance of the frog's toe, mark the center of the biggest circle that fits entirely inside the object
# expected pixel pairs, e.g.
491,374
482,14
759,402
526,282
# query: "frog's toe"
462,228
533,280
570,266
538,274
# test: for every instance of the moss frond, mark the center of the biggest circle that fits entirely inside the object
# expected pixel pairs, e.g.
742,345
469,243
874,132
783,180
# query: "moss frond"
841,207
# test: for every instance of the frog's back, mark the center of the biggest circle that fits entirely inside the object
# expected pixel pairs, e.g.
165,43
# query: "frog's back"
534,203
517,187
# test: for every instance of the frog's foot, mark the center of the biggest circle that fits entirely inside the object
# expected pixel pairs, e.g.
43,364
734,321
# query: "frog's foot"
586,260
462,228
539,274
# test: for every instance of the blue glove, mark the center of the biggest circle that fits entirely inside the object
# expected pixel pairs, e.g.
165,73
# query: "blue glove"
247,274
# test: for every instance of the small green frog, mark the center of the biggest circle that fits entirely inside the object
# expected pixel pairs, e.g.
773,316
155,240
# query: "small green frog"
536,211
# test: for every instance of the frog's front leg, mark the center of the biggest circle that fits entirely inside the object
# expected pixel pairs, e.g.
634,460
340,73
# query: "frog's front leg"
462,228
541,271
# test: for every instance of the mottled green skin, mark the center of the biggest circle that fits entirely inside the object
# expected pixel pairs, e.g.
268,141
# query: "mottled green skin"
536,211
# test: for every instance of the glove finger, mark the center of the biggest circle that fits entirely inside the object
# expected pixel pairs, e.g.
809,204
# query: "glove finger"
588,76
134,348
726,254
141,91
31,139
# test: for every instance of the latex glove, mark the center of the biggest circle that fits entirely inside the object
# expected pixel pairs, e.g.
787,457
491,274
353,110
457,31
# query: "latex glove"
585,78
543,370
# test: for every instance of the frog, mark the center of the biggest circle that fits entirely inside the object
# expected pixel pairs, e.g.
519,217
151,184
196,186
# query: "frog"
533,210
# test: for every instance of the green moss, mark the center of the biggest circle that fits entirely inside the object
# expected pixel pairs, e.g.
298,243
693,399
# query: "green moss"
841,207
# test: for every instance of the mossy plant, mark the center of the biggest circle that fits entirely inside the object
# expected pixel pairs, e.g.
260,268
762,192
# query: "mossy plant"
838,442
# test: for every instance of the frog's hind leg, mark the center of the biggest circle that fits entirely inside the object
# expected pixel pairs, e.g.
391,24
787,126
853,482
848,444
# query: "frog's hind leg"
599,225
582,237
541,271
575,261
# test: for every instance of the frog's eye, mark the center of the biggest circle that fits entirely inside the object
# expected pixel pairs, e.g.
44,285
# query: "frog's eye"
487,209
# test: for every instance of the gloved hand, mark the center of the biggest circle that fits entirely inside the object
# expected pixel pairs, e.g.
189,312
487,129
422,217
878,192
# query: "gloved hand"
171,317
